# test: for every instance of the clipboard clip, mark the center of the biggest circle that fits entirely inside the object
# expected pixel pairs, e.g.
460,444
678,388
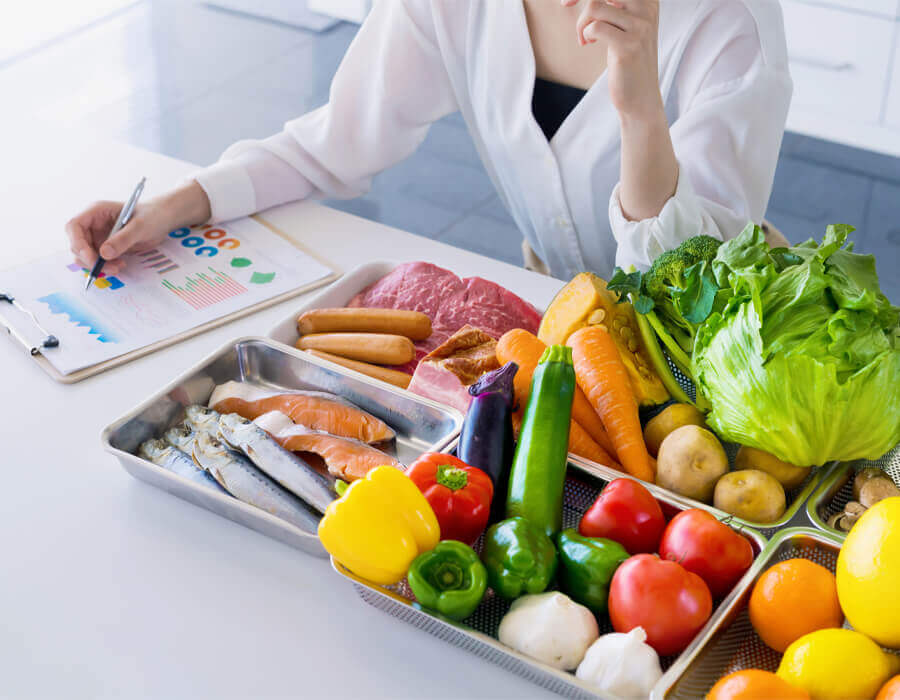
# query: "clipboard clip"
50,340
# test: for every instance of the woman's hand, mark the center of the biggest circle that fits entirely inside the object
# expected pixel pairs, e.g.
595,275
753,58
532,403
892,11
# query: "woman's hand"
89,231
630,29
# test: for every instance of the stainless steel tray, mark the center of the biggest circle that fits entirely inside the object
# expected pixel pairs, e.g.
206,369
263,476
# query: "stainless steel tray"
730,644
478,633
421,425
837,488
341,292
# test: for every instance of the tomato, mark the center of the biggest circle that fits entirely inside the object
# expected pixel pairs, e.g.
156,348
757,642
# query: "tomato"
663,597
707,547
627,513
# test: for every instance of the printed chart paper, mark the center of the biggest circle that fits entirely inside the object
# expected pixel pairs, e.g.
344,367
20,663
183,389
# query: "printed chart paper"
195,276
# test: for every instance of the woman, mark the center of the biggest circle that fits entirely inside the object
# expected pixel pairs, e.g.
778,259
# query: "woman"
612,129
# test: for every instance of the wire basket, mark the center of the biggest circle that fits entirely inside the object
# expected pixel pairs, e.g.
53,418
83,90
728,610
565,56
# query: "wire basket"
478,633
795,498
731,644
836,490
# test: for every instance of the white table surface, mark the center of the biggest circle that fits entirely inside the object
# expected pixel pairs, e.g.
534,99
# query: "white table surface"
111,588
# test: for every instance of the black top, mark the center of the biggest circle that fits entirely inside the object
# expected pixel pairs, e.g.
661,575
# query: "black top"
552,102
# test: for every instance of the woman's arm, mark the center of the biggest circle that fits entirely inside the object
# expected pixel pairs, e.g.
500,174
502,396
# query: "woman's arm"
630,30
390,87
712,171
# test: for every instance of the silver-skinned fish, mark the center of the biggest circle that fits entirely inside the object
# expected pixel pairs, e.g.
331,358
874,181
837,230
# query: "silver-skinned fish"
289,470
248,484
165,455
181,437
201,418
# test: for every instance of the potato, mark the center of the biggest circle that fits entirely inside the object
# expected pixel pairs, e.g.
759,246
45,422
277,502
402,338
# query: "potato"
750,494
670,418
788,475
691,460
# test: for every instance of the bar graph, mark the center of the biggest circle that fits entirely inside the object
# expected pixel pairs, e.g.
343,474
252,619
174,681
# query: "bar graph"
203,289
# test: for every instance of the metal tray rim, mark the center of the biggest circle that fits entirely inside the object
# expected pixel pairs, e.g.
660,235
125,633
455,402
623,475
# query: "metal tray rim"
683,662
287,349
196,493
826,485
610,473
383,267
607,474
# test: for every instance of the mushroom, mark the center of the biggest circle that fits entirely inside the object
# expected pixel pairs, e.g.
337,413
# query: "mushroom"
876,489
847,518
862,477
854,508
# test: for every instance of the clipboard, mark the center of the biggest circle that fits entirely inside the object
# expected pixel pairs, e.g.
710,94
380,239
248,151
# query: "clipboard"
8,306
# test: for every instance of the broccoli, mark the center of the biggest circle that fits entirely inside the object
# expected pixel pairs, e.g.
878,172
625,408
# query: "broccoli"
669,269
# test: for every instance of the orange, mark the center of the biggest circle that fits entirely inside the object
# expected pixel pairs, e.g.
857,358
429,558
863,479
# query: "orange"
791,599
890,690
755,685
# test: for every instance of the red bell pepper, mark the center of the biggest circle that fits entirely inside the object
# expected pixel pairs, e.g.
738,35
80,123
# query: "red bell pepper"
460,495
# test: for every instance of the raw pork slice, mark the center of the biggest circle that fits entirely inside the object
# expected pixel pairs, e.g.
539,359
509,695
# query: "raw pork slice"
450,302
445,374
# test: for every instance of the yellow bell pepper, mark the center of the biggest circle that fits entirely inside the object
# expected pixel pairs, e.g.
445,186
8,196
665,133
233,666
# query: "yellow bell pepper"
379,525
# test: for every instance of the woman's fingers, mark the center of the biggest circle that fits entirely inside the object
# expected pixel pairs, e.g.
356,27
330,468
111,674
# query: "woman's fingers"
601,12
80,243
130,235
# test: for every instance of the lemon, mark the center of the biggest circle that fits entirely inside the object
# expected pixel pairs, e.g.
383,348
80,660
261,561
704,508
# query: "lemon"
868,573
835,664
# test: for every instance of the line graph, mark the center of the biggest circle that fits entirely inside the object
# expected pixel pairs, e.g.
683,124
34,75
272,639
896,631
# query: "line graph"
202,289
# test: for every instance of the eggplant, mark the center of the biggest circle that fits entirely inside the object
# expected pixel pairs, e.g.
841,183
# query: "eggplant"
486,440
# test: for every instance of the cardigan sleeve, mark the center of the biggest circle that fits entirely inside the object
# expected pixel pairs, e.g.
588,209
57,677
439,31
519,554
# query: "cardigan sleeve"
390,87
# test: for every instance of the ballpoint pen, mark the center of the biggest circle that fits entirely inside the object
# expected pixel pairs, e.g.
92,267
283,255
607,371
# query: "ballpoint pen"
124,218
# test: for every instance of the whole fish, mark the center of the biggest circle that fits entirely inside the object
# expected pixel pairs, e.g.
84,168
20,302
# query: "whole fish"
284,466
181,437
164,455
201,418
246,483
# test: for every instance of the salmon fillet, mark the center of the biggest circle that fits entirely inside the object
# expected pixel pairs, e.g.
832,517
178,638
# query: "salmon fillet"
313,409
345,458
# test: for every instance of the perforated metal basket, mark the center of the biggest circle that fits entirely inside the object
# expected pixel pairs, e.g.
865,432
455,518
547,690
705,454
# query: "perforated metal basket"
478,633
731,644
837,488
795,498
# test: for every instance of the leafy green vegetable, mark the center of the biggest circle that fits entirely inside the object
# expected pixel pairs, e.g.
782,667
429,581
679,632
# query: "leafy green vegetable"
803,358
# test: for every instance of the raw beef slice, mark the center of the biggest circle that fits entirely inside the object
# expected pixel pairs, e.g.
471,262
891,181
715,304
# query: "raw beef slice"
445,374
450,302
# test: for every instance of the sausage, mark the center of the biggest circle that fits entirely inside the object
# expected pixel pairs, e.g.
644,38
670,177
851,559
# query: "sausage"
377,348
391,376
412,324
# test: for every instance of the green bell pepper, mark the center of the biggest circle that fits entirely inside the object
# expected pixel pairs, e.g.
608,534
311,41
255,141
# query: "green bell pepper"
519,557
538,474
449,579
587,568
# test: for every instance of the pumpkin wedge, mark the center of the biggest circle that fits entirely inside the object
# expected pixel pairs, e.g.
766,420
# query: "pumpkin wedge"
584,301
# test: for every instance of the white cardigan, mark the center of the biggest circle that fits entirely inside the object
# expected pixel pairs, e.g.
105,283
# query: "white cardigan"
724,80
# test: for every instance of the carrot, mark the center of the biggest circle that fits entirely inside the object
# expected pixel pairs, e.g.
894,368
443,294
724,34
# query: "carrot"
580,444
602,376
525,350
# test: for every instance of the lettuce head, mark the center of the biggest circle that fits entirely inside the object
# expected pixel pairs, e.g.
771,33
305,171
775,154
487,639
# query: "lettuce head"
802,360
